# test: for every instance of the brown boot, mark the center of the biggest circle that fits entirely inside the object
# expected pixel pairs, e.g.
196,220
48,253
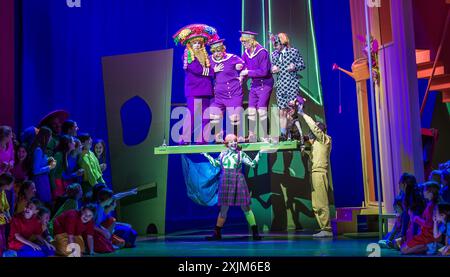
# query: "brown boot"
217,235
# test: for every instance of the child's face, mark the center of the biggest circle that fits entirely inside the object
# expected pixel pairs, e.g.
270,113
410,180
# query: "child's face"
233,144
428,195
8,187
22,154
45,219
86,216
31,191
402,186
247,44
30,210
6,139
196,44
98,148
88,144
441,217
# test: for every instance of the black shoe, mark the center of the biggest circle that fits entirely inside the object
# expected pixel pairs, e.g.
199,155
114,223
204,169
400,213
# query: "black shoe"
256,235
217,234
283,137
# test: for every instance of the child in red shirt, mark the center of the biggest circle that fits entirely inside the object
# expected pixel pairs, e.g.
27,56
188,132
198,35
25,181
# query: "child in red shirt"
26,235
6,184
418,243
71,227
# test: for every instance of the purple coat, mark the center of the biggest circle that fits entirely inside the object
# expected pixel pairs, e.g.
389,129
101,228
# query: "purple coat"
197,81
227,82
258,65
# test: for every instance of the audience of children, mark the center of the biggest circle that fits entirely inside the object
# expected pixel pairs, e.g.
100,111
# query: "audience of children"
54,181
41,216
422,225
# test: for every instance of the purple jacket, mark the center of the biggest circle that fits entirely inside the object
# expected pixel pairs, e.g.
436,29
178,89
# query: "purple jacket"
258,65
226,82
197,81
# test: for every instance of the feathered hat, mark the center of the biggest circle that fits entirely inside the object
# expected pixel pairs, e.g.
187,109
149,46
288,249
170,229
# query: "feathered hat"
189,32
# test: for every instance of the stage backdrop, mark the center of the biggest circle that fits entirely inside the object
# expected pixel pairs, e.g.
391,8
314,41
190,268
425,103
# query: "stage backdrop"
137,97
60,66
281,186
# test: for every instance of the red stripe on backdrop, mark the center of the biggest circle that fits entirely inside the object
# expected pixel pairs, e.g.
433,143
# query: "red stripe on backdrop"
7,62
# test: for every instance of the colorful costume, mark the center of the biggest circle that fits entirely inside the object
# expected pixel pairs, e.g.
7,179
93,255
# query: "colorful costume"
233,189
4,208
27,228
227,85
287,83
320,154
258,67
198,74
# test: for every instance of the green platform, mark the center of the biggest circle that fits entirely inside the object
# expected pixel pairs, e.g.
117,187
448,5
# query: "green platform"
209,148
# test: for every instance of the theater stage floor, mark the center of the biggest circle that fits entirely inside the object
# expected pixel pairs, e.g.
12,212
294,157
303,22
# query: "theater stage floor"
193,244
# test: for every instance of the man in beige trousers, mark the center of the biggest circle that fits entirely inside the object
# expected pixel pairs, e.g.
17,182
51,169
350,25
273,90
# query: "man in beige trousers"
319,155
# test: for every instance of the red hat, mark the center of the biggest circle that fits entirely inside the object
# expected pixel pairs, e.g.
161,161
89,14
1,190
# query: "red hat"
62,115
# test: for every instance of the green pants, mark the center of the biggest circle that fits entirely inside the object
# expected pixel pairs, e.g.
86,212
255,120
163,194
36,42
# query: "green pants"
319,197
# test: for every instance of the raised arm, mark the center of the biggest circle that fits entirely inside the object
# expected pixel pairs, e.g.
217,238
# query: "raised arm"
38,156
121,195
248,161
212,161
320,135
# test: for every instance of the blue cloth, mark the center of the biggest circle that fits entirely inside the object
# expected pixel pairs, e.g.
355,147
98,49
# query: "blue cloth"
127,233
40,162
202,181
43,188
444,228
27,251
71,171
100,215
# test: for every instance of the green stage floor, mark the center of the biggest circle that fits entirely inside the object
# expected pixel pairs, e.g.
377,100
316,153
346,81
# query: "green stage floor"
240,245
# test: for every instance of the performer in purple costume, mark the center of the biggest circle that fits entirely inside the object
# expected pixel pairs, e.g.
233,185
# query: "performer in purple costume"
258,67
228,92
198,77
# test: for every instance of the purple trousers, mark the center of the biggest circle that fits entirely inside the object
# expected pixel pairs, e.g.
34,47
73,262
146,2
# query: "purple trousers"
196,106
259,94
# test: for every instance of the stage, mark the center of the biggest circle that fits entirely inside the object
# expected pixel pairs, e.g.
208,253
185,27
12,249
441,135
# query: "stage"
239,244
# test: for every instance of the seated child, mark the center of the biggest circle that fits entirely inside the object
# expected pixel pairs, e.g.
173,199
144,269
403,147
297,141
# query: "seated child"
26,234
75,226
441,227
418,243
389,241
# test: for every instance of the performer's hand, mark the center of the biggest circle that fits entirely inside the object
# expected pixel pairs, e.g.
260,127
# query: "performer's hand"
244,72
291,67
275,69
239,66
218,67
300,110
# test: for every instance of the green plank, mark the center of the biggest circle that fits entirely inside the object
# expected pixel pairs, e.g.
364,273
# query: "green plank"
210,148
